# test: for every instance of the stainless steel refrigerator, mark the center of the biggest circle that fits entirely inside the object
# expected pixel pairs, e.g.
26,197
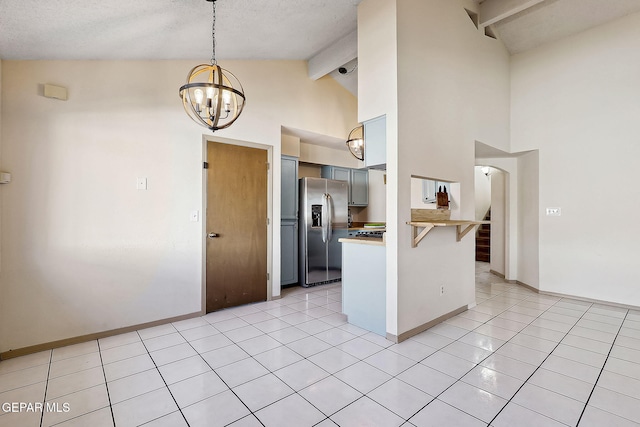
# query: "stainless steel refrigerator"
323,220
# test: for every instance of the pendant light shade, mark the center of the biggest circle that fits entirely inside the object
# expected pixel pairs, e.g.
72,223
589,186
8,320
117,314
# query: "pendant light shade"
212,96
355,142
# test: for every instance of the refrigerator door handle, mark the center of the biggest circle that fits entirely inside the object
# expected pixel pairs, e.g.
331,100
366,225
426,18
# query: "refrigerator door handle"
330,218
325,217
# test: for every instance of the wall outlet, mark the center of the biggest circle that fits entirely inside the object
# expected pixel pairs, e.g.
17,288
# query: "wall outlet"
441,290
141,183
554,212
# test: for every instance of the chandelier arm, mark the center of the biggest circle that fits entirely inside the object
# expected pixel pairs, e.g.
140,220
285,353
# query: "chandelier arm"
218,84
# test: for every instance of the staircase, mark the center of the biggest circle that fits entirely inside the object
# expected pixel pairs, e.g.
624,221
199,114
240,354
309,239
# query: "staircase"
483,240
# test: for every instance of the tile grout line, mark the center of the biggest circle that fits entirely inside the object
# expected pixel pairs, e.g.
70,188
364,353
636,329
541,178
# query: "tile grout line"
297,392
396,375
214,371
106,383
338,327
476,364
328,417
404,370
602,369
493,352
540,365
252,357
44,397
503,294
163,380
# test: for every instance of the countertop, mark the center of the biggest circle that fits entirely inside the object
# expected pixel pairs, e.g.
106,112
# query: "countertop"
359,226
373,241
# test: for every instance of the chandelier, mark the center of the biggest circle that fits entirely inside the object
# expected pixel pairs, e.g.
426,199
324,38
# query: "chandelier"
212,96
355,142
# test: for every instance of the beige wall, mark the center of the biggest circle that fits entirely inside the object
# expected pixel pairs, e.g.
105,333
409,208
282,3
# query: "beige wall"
577,101
290,145
83,250
309,170
453,90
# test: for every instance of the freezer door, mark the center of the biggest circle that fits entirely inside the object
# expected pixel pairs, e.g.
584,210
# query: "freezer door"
313,251
338,197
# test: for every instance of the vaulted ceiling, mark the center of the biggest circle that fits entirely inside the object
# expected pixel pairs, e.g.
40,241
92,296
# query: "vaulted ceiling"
526,24
322,31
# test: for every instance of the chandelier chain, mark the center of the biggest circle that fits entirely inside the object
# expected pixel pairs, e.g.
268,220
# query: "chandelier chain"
213,34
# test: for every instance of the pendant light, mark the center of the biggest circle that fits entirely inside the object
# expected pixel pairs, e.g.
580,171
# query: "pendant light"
212,96
355,142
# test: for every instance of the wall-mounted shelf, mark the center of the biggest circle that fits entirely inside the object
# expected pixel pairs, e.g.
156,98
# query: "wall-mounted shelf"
462,228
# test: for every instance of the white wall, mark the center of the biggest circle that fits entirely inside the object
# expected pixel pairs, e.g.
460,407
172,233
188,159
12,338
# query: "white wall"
482,185
378,95
416,195
83,250
452,90
498,220
529,219
577,101
0,186
376,211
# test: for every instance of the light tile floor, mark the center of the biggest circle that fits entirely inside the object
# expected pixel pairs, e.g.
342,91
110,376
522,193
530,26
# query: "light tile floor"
516,359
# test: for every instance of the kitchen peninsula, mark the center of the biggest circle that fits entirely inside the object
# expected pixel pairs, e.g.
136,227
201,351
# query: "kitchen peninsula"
364,282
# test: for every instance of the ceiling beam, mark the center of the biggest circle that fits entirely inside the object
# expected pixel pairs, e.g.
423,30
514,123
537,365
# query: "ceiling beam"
492,11
336,55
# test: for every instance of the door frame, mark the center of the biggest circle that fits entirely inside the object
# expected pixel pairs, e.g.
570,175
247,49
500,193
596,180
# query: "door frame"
269,149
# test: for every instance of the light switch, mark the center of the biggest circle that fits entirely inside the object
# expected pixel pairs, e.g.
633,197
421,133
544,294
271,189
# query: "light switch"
141,183
554,212
195,216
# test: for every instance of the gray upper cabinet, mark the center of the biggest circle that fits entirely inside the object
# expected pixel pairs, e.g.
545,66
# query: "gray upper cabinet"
375,143
358,180
289,199
359,187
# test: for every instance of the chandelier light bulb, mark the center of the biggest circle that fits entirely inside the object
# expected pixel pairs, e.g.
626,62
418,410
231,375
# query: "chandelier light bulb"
199,95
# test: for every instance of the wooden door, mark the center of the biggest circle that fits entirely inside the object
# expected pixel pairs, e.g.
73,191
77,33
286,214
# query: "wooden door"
237,217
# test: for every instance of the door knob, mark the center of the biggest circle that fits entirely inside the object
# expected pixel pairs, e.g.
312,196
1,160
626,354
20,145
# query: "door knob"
212,235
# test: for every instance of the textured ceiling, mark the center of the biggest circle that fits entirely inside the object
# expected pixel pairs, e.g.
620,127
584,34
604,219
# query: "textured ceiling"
171,29
552,20
246,29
